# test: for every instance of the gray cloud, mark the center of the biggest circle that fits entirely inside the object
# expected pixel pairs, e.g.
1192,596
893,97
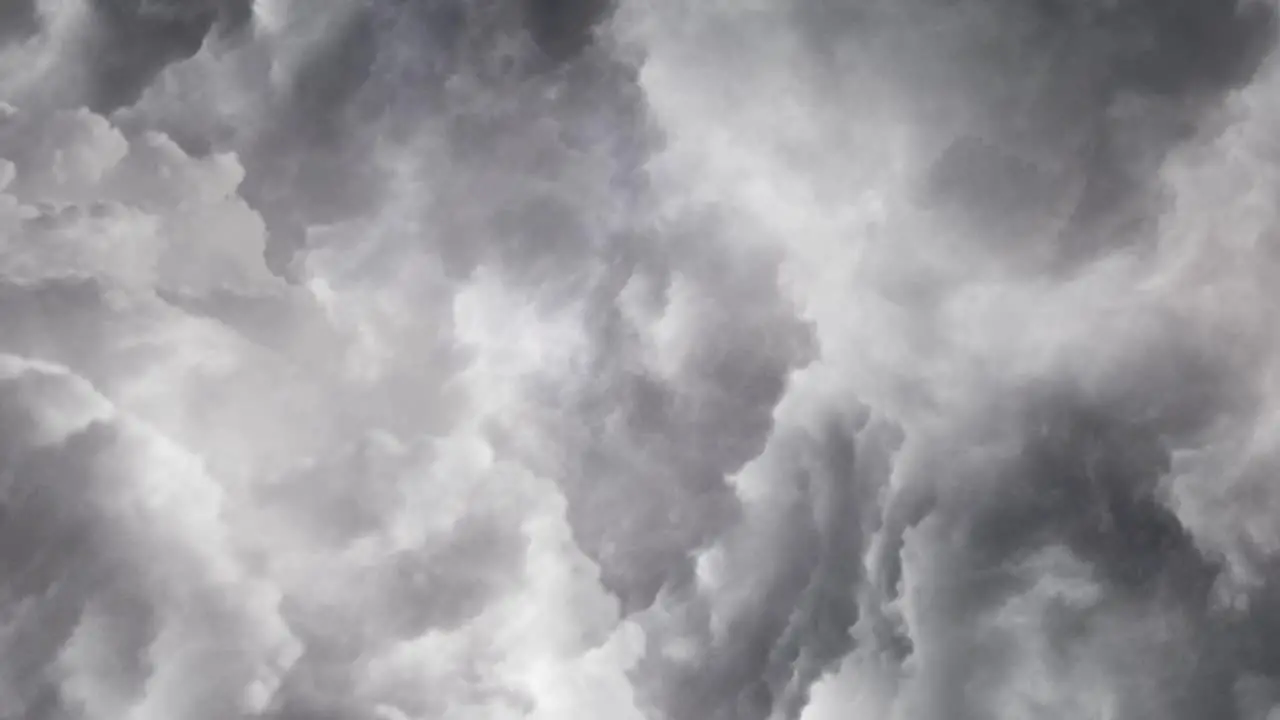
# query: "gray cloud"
18,20
640,360
133,40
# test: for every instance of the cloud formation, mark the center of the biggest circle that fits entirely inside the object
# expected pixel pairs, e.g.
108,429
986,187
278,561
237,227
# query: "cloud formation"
639,359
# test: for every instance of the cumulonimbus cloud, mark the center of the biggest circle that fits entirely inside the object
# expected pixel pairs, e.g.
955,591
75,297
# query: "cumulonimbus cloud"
645,359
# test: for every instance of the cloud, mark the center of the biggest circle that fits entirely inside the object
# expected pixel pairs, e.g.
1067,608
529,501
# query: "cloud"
471,360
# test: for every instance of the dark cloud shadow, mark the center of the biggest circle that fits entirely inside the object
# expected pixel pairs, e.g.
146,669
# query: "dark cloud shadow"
19,19
135,39
1059,113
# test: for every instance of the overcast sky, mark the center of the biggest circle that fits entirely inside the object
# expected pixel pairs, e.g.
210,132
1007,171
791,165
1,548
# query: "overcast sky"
654,360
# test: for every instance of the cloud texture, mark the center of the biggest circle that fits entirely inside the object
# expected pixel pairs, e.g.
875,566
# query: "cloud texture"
651,360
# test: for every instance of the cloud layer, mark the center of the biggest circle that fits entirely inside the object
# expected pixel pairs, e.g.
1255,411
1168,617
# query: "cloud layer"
648,360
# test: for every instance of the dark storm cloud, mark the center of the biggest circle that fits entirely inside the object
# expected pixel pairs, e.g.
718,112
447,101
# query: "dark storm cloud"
382,73
564,29
1042,94
796,566
1048,121
661,447
1054,121
54,566
1061,111
310,165
379,73
19,19
1077,468
518,138
1051,102
520,132
1084,480
135,39
31,313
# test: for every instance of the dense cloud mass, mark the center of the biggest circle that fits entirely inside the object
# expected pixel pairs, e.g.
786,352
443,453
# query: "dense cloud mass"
649,360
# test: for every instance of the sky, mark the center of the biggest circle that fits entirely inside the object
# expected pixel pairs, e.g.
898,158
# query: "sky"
640,359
